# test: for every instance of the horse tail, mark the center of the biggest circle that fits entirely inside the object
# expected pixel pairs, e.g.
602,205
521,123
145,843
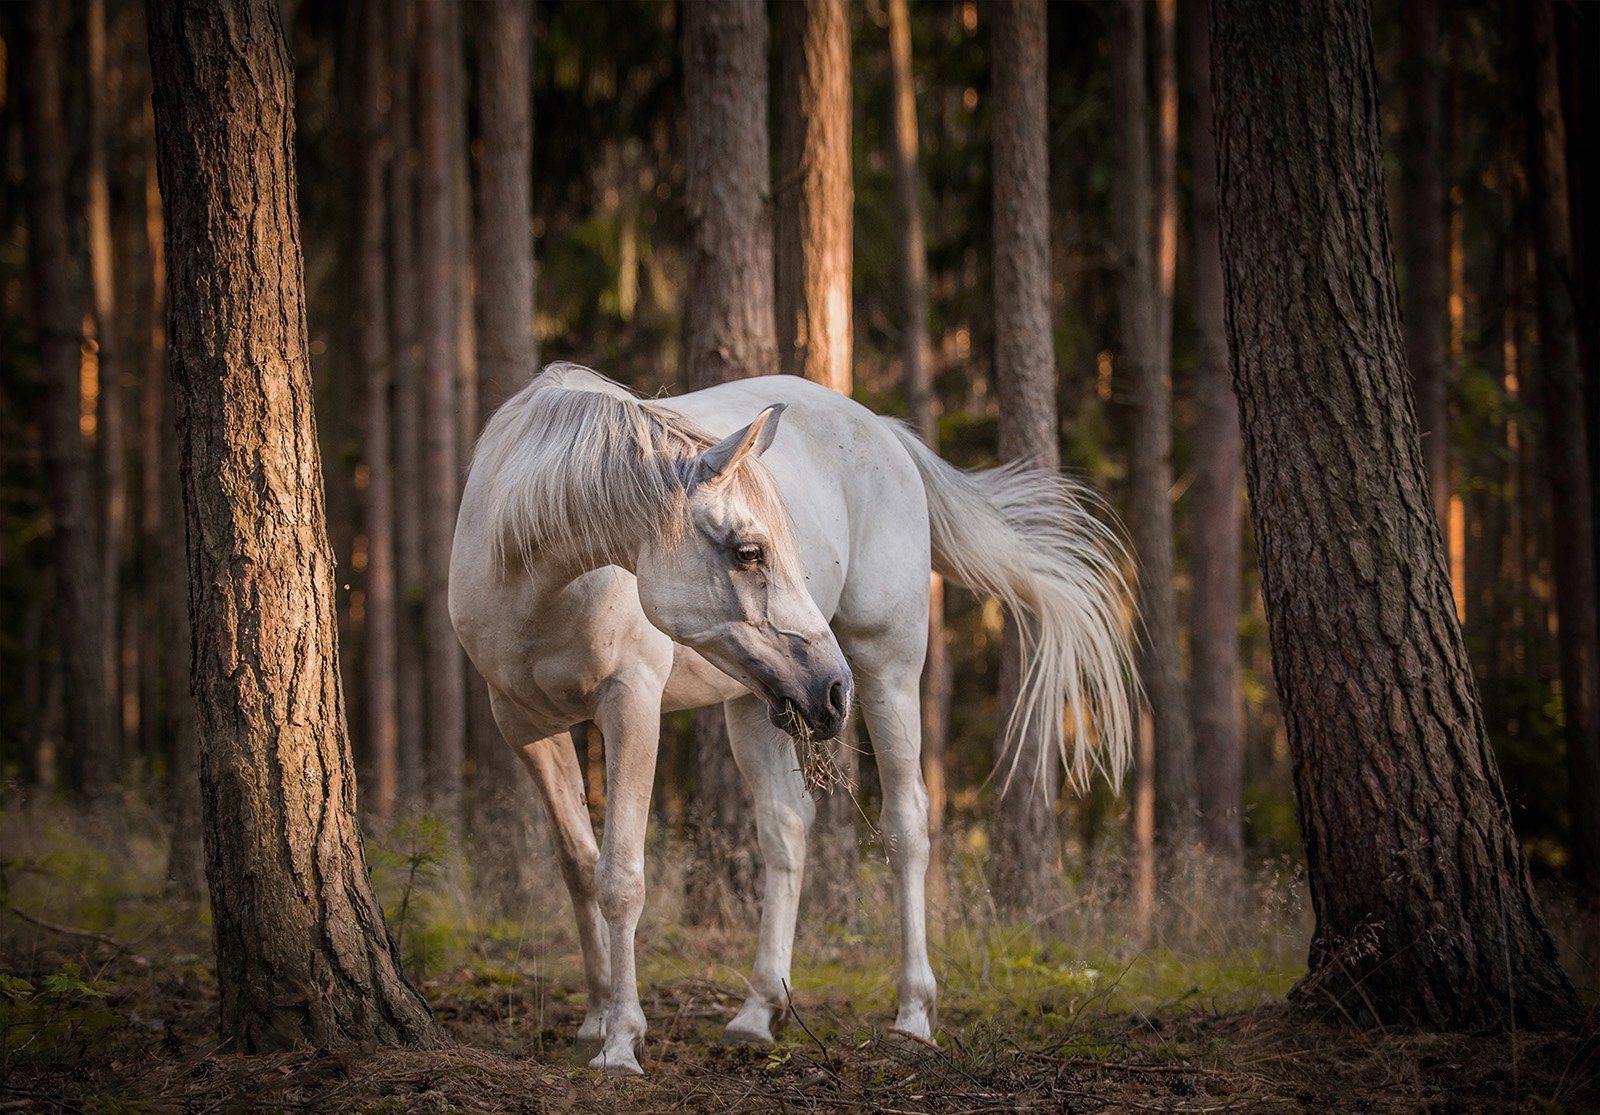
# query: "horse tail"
1029,537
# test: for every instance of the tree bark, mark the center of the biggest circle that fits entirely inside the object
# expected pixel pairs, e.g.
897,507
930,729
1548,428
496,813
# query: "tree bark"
1025,862
89,735
446,678
1422,186
728,334
1150,455
1216,697
1566,452
303,956
404,309
383,712
813,225
1425,913
916,355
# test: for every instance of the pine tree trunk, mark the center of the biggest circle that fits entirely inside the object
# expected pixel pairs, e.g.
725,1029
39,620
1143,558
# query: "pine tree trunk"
508,354
507,814
1422,182
383,713
111,458
1150,456
404,309
728,334
916,356
167,576
1425,913
1566,453
813,224
1217,697
1024,863
303,956
89,735
445,673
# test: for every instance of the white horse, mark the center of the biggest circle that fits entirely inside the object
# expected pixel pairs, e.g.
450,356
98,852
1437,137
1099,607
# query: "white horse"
614,560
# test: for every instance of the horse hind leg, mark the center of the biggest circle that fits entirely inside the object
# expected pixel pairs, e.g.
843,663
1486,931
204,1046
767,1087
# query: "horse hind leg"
891,705
554,767
784,811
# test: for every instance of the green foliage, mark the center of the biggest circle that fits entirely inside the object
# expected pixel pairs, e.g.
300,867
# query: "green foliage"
54,1018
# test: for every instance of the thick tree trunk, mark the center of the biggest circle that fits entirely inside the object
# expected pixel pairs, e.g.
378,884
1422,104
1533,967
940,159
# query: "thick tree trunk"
1425,914
1423,203
728,334
383,713
303,956
507,816
1025,861
404,307
813,224
111,459
89,735
1216,697
446,677
916,355
1150,456
1566,452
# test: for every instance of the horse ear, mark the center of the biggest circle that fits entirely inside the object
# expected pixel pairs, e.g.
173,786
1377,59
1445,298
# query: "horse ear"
723,459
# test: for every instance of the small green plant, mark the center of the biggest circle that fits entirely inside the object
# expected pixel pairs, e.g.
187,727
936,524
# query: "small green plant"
55,1018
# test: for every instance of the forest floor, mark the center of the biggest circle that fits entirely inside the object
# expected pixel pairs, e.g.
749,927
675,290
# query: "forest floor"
108,1004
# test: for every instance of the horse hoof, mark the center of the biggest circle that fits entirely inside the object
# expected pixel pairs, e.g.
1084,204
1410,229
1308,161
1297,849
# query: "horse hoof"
738,1035
617,1064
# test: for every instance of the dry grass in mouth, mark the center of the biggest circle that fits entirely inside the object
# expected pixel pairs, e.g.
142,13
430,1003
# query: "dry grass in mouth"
818,765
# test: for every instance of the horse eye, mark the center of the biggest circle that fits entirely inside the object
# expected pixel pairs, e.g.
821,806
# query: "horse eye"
748,555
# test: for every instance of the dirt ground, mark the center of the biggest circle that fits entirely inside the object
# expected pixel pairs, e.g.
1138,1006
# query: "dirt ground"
108,1004
506,1045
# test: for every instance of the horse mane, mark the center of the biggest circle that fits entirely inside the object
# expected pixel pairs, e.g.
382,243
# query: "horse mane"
578,462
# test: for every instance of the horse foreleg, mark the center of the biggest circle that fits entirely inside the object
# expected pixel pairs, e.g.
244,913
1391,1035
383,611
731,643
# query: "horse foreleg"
892,708
554,767
629,717
784,811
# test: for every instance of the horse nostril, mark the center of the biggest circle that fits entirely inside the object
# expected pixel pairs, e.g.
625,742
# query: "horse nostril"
838,699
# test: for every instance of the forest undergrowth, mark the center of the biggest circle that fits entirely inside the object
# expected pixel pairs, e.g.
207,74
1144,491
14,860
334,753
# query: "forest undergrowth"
108,1001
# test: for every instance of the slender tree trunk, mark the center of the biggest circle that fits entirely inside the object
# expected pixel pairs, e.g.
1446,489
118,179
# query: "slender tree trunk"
110,437
1166,199
916,355
1566,452
168,574
728,334
89,736
1425,913
814,194
508,354
1422,178
1025,862
507,814
404,309
1150,456
383,714
1217,698
813,224
446,680
303,957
